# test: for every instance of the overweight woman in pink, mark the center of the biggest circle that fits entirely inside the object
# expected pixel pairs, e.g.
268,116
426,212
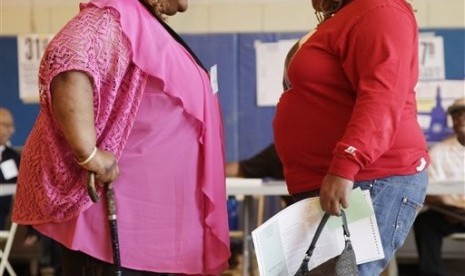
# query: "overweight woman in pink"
124,97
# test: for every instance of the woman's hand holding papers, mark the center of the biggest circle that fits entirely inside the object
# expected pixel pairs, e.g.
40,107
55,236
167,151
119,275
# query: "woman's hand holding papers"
335,193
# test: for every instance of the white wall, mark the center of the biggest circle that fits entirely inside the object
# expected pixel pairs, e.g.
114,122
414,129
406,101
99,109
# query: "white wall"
213,16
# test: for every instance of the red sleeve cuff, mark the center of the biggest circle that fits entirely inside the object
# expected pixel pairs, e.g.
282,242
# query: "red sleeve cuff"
344,167
347,161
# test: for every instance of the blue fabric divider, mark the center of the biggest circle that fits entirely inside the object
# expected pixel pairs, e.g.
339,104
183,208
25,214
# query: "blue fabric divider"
248,128
23,114
454,51
220,49
255,123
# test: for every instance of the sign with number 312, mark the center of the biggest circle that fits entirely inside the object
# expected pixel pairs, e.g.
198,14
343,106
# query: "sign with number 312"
30,50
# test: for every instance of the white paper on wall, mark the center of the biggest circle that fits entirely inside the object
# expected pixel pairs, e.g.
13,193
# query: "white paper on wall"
270,58
431,57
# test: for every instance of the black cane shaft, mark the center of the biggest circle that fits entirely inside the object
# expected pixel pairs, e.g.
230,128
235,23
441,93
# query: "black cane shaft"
111,211
115,243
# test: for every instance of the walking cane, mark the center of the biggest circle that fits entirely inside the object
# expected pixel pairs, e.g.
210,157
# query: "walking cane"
111,212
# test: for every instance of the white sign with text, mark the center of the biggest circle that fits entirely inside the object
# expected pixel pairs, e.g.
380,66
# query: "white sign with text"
30,50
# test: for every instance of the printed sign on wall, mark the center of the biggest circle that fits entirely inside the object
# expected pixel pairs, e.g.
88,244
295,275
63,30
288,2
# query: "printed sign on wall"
30,50
270,58
431,58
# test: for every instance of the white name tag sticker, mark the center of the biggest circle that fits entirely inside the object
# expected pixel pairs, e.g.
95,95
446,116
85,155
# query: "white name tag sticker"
214,78
9,169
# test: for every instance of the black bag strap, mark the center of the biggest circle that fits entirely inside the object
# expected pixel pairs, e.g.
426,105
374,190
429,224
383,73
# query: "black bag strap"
320,229
304,265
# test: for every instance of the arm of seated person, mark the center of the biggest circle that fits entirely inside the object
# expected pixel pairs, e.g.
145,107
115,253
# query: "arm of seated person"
233,169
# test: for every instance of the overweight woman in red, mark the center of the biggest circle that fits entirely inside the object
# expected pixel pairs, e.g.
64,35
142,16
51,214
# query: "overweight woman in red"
350,118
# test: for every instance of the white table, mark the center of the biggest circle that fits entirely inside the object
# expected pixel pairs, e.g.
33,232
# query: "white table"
250,187
450,187
235,186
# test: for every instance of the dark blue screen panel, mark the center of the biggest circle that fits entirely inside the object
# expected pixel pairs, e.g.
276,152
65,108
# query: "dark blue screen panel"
454,51
248,128
255,123
221,49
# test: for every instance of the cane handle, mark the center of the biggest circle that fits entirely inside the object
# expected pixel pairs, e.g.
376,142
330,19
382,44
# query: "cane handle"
91,187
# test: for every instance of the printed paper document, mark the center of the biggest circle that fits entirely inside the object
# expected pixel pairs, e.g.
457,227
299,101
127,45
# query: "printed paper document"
281,242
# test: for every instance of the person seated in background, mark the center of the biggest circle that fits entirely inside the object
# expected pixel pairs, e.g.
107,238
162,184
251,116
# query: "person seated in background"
266,163
9,161
432,225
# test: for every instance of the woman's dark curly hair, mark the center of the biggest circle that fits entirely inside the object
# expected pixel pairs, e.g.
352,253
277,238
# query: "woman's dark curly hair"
327,8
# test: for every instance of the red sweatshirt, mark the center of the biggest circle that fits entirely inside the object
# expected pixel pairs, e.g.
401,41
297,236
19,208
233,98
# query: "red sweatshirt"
351,110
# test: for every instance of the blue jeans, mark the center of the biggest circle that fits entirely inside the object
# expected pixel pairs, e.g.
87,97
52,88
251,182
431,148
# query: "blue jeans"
396,201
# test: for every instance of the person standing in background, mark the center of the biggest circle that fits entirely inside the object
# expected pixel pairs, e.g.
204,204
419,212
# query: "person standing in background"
123,96
9,161
446,214
350,118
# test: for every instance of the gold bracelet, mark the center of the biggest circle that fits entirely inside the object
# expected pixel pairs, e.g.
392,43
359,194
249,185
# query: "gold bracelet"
91,156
